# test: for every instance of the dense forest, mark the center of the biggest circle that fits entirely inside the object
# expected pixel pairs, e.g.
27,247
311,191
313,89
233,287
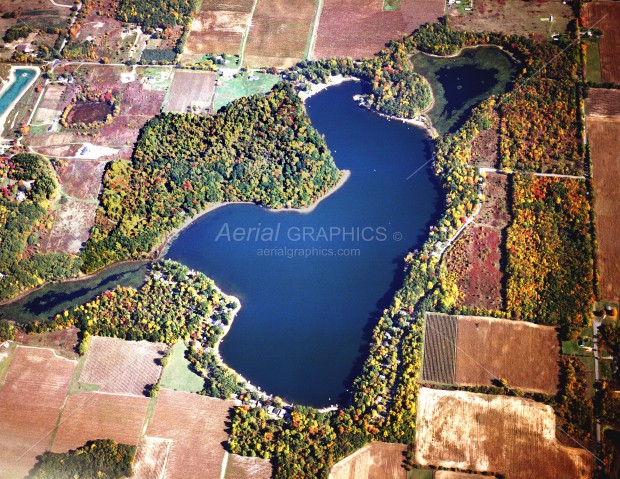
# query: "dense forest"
550,253
261,149
152,14
100,459
27,187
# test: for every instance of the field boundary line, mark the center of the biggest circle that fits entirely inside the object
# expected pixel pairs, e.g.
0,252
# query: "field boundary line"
246,34
48,349
224,465
314,31
4,369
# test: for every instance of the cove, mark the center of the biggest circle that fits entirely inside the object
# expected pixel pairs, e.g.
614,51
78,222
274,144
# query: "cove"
46,302
311,284
459,83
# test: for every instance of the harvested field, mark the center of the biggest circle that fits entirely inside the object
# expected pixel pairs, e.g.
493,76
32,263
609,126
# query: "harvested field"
72,223
604,139
191,92
344,23
219,27
30,400
606,16
63,341
80,179
520,17
90,415
440,349
487,349
500,434
183,417
457,475
122,367
279,33
475,260
151,456
377,460
241,467
51,106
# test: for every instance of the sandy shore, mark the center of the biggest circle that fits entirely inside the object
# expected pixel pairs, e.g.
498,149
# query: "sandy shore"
331,81
7,85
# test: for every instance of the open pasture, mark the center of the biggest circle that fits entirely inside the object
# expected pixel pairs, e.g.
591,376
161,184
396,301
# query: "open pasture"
151,456
606,17
474,350
603,129
241,467
191,92
63,341
279,33
504,435
30,400
183,417
122,367
377,460
520,17
361,28
475,260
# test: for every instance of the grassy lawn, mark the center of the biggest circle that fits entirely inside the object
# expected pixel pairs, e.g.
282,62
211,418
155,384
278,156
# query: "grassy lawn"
572,347
177,374
229,89
593,61
391,4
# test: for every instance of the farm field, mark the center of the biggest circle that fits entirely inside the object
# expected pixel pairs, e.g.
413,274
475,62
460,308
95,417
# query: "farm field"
475,261
456,475
122,367
43,378
513,16
150,459
191,91
80,179
279,33
473,350
87,416
230,88
241,467
377,460
71,226
183,417
603,127
606,16
63,341
343,23
499,434
218,27
177,374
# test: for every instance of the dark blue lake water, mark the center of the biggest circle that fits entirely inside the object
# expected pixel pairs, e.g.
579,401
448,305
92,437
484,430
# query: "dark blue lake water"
310,284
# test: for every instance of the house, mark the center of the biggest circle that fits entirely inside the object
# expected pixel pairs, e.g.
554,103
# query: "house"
21,196
24,48
5,345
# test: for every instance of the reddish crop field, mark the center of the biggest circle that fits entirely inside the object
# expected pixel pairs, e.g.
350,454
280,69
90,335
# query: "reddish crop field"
30,400
378,460
122,367
487,349
279,33
90,415
80,179
504,435
475,260
88,112
606,16
184,417
360,28
219,27
151,456
603,129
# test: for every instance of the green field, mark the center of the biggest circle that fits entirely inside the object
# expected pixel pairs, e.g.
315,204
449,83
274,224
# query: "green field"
593,61
230,89
420,474
572,347
177,374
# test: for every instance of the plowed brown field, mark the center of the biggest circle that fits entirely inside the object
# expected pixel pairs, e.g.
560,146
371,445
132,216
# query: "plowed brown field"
378,460
606,16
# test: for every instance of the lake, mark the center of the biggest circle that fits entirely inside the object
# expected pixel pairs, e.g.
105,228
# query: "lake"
311,284
23,76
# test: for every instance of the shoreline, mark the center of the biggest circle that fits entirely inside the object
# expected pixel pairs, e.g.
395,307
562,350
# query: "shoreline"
7,85
319,87
468,47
